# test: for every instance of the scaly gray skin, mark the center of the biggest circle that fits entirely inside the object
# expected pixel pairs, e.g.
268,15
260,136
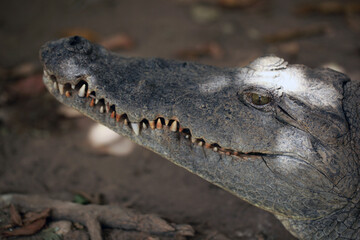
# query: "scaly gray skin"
282,137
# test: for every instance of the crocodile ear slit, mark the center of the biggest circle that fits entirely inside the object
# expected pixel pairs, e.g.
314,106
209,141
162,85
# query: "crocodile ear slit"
82,90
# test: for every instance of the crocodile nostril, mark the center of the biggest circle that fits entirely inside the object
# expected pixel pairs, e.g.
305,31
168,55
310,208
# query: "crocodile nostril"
78,44
74,40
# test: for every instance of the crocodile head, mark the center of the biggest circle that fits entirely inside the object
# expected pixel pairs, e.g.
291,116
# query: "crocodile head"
271,133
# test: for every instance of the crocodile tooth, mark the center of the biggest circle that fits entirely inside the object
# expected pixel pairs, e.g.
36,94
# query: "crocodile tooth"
61,88
215,149
126,122
207,145
96,101
67,94
118,116
193,140
92,103
55,85
152,124
173,126
166,122
102,109
88,93
73,86
81,92
159,124
144,126
187,136
201,143
136,128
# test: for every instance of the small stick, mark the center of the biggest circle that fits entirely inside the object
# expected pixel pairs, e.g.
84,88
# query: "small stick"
93,216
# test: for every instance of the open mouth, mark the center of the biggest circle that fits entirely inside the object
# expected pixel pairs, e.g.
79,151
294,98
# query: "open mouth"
80,92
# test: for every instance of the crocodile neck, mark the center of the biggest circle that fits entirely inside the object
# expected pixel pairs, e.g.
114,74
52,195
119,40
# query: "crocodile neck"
341,224
352,111
345,222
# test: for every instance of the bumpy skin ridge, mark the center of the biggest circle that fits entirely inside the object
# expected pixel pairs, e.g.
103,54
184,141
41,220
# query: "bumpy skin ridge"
301,147
352,112
344,223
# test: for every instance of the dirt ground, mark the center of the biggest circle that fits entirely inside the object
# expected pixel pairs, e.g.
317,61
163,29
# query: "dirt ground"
45,148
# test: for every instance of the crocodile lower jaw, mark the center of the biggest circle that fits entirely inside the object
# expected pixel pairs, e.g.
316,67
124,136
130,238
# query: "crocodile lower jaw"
81,92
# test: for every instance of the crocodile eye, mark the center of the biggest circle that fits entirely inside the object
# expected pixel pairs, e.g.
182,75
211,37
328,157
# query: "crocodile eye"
258,99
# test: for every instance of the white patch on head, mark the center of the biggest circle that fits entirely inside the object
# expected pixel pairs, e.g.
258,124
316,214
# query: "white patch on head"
284,80
214,84
291,83
294,82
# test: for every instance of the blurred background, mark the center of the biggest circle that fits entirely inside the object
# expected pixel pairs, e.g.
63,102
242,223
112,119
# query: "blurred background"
46,148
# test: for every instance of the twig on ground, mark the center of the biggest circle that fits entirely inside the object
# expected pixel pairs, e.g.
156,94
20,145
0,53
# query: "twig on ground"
95,216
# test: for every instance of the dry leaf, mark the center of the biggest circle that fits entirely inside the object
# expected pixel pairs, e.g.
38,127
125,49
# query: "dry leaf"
32,216
237,3
7,226
291,34
15,216
320,8
24,70
25,230
82,32
118,41
78,225
212,50
290,48
28,86
328,8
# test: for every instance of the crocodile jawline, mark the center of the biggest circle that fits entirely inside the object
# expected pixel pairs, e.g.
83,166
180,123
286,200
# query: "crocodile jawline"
102,106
